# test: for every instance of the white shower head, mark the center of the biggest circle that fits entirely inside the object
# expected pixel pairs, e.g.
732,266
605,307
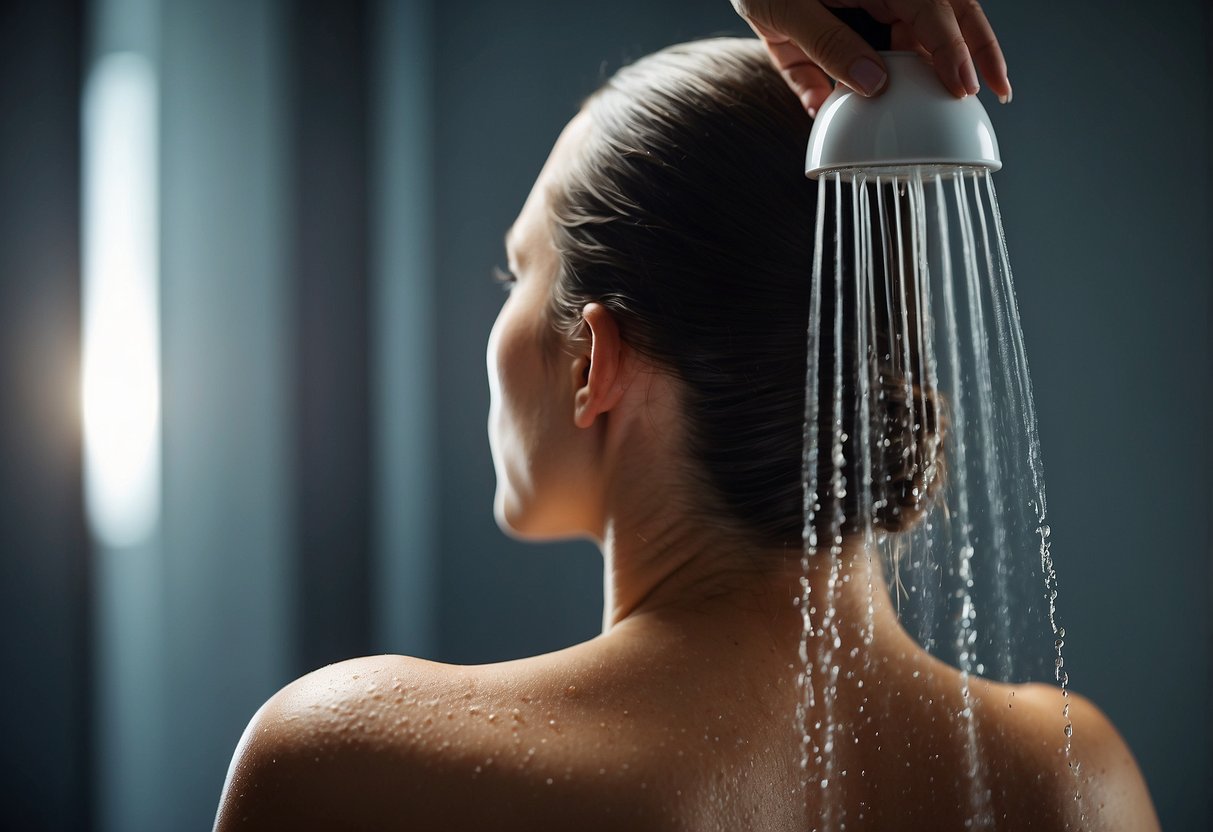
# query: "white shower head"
916,121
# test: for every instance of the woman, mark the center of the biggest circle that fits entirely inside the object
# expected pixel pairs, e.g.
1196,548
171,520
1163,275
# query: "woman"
647,373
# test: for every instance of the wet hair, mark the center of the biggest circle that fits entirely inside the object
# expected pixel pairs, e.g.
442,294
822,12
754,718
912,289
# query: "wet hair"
686,213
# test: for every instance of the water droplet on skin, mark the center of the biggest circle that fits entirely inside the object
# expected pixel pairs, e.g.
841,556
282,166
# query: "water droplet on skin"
1069,730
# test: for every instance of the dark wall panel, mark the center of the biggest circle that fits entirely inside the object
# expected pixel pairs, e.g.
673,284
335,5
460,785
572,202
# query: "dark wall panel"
44,604
1108,219
328,66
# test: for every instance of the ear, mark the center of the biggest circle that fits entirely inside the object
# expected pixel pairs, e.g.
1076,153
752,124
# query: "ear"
598,374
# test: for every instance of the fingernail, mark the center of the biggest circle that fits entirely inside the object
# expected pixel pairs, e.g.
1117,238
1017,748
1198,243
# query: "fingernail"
867,76
806,101
968,76
1006,99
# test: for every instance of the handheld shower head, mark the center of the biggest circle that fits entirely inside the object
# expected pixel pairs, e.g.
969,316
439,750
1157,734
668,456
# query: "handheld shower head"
914,122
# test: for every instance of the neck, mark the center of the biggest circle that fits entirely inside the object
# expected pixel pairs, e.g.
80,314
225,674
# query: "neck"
660,565
661,560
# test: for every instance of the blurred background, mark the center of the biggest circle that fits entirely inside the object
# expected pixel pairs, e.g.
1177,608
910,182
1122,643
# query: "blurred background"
244,251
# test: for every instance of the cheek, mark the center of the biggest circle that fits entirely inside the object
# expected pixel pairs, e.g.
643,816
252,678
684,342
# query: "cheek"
512,392
531,435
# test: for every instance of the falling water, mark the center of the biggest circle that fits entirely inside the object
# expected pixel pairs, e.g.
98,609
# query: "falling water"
921,447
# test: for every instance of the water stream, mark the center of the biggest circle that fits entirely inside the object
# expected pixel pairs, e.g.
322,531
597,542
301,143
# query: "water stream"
921,449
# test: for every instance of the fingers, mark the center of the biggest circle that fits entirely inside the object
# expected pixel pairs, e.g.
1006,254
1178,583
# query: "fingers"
806,41
935,25
983,46
823,39
811,85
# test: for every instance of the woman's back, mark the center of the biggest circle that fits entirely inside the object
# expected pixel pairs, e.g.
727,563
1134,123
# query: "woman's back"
674,720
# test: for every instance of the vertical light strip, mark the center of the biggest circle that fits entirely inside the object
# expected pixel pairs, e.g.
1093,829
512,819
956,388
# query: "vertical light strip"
121,364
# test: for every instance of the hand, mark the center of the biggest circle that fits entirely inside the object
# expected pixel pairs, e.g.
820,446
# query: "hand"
808,44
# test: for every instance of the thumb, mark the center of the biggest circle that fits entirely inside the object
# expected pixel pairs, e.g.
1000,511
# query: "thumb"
834,47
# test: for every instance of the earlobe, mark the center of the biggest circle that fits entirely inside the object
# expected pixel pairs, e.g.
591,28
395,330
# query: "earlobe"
598,387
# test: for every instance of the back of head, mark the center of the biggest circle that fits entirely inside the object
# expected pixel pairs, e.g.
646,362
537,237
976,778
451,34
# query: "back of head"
688,216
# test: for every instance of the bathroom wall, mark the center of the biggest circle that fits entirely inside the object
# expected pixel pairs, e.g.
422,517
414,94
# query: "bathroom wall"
1109,210
335,179
44,564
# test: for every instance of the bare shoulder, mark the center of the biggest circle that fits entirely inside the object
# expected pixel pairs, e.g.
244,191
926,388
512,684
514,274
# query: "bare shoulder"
391,742
307,757
1100,769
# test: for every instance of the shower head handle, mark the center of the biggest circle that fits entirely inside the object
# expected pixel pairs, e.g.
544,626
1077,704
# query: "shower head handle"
915,121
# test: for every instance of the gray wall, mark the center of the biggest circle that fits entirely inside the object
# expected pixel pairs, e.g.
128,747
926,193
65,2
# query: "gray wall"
1108,213
44,565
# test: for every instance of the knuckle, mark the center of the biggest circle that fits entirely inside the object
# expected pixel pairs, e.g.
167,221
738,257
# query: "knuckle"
756,10
950,43
970,18
829,45
778,13
931,9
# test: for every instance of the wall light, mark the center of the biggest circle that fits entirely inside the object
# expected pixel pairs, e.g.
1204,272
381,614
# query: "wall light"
121,337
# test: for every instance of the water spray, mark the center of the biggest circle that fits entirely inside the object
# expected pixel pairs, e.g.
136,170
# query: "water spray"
921,443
